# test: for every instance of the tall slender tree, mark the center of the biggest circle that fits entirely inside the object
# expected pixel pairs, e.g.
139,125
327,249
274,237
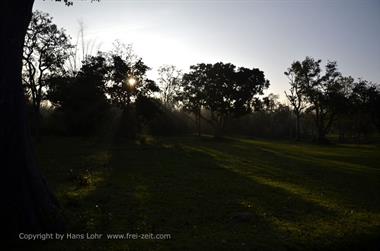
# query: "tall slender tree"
296,96
169,79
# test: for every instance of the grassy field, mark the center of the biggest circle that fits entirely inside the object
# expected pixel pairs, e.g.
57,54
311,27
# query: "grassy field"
230,194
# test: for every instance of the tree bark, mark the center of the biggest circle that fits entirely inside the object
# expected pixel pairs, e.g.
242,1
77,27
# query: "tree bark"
27,203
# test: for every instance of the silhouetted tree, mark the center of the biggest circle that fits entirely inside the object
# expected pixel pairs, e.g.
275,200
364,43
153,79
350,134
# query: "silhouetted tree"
45,52
296,96
191,96
128,84
128,80
147,109
82,98
270,103
364,106
221,90
324,92
343,122
28,204
374,106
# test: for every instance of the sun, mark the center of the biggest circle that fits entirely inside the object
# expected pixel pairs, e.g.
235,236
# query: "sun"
131,81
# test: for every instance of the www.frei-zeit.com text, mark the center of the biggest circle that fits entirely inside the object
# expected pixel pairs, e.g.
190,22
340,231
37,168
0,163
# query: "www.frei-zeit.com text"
93,236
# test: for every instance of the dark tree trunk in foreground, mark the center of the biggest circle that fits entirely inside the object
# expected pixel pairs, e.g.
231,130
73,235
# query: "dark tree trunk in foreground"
26,202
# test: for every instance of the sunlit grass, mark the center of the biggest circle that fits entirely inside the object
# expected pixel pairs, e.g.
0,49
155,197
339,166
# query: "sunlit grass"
342,220
232,194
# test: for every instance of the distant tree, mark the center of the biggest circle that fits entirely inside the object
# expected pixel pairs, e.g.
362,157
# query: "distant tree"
81,49
169,79
296,96
45,52
221,90
270,121
270,103
257,104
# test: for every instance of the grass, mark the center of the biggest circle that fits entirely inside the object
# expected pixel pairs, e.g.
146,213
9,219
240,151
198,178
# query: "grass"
231,194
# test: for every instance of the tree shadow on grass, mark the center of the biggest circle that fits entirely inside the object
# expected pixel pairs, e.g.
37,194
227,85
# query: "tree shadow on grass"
203,204
189,194
345,182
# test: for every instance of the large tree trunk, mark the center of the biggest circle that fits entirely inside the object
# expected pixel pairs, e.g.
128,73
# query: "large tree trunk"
26,202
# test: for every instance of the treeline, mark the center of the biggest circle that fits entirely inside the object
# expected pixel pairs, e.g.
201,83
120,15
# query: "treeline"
111,92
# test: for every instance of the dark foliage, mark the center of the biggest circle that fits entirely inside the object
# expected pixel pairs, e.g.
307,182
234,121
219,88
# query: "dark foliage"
222,90
81,100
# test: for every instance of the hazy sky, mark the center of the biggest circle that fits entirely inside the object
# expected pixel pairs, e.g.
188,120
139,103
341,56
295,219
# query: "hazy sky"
264,34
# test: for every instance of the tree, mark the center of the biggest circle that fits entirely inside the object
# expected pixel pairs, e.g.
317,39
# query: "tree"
128,79
374,105
190,95
221,90
270,103
28,204
129,87
296,96
80,50
169,78
323,92
269,107
346,107
27,200
82,98
364,101
45,52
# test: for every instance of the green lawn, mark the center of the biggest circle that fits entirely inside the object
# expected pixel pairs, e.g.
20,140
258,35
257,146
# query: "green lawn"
231,194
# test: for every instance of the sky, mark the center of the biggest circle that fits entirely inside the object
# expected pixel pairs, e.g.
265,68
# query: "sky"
268,35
